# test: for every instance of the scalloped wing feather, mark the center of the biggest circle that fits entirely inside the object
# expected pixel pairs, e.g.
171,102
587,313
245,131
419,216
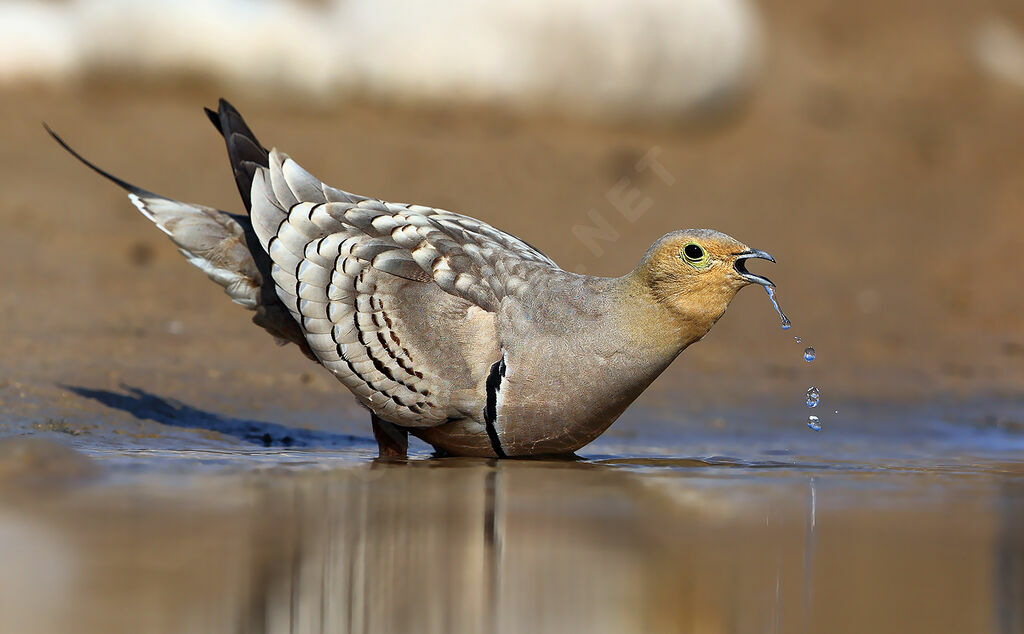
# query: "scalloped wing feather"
355,271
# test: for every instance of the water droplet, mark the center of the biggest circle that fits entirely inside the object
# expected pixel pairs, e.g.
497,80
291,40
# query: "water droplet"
835,412
798,339
809,354
813,397
814,423
771,295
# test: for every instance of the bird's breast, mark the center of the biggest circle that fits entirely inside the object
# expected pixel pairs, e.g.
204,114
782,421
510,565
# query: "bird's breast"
555,399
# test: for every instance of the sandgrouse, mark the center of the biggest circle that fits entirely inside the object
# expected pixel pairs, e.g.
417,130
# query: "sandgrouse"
441,325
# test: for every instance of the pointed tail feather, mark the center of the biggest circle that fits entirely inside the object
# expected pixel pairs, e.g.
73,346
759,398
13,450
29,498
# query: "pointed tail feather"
211,240
216,243
247,156
245,152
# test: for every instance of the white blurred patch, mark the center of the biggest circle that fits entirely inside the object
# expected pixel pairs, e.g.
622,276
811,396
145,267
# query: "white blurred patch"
999,50
38,41
603,57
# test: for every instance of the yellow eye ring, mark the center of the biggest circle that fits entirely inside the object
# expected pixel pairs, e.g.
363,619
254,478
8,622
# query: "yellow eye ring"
694,255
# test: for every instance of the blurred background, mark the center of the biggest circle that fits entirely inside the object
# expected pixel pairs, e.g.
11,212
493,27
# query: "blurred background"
876,149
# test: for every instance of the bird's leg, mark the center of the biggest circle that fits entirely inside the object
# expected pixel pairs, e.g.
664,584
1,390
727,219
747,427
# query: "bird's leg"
392,441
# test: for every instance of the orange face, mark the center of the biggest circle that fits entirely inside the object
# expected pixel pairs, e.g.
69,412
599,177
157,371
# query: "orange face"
697,272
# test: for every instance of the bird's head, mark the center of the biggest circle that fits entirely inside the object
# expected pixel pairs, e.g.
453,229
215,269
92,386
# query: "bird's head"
695,273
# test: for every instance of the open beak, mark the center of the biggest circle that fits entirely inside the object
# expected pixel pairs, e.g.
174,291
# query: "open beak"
741,266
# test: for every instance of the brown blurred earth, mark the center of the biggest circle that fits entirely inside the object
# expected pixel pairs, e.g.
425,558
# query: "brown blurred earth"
877,163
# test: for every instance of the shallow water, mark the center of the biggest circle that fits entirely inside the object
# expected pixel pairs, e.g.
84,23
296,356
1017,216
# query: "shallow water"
254,505
902,519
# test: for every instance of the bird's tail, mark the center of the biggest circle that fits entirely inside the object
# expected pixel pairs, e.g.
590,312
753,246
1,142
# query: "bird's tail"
218,244
245,152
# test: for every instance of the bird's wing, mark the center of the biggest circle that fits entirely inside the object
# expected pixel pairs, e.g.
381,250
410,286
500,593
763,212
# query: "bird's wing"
384,291
463,256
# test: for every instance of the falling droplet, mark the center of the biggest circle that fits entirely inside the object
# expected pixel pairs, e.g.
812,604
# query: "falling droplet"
771,295
814,423
798,339
835,412
813,397
809,354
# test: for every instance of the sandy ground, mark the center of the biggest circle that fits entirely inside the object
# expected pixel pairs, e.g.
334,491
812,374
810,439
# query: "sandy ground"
882,170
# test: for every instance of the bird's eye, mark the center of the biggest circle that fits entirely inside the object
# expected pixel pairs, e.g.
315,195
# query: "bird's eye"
694,255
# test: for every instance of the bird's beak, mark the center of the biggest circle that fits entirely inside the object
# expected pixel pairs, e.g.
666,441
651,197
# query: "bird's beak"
741,266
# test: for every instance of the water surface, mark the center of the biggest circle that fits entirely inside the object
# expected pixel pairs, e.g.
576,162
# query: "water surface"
897,520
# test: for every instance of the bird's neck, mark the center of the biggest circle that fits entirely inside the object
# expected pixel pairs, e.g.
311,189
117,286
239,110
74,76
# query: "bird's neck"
664,323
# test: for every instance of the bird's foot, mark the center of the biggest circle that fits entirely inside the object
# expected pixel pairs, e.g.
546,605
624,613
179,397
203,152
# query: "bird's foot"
392,441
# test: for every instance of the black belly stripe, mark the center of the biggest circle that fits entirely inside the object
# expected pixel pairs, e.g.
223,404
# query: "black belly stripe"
491,407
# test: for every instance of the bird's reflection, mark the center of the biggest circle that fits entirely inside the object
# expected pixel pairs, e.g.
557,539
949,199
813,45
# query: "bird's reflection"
435,547
1009,559
475,545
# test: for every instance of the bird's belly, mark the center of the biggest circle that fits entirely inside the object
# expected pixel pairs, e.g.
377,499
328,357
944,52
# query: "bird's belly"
558,404
464,437
547,403
553,415
560,418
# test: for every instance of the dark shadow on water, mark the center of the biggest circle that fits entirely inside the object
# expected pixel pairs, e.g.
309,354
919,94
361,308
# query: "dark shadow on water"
147,406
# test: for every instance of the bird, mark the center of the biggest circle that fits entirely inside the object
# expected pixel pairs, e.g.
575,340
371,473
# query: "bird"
441,325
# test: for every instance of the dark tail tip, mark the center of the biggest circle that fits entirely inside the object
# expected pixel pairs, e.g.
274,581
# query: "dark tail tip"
124,184
223,115
245,152
214,119
56,137
225,107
